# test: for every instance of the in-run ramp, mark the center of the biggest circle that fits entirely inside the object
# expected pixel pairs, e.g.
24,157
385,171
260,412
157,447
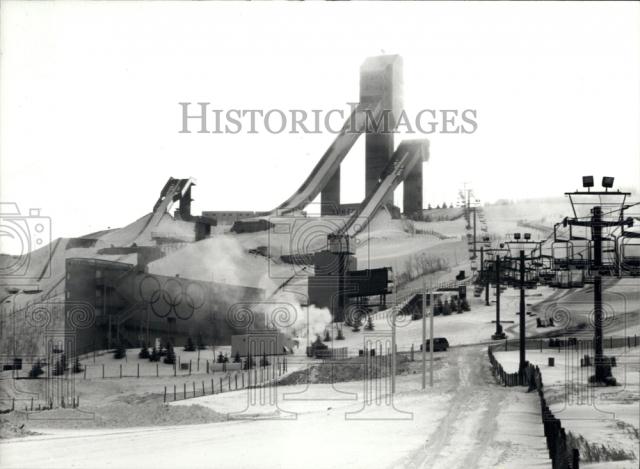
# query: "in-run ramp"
364,114
408,154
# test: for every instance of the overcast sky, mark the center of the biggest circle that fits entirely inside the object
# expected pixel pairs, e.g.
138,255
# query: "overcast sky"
89,93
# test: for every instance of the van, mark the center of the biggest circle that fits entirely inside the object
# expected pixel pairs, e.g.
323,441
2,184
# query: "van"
440,344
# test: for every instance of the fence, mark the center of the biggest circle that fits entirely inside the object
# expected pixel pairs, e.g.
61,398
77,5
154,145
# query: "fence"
561,454
245,379
568,342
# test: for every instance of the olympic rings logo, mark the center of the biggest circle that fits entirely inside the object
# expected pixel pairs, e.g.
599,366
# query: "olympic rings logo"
166,296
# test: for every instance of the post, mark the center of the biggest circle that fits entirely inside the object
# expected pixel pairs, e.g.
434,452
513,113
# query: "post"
393,346
431,347
174,392
194,388
103,371
138,370
482,277
474,233
499,334
165,395
184,390
596,236
120,370
157,371
522,311
423,347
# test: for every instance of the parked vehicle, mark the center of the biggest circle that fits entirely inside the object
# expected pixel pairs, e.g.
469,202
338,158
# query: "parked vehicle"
440,344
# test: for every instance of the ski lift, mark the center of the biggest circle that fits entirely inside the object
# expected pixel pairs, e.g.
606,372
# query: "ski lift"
630,253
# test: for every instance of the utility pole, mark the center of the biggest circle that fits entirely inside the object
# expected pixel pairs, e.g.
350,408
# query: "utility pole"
474,232
482,276
499,334
394,310
431,347
423,347
522,311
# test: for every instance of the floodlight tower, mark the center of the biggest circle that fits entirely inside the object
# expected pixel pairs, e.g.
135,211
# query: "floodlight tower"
596,220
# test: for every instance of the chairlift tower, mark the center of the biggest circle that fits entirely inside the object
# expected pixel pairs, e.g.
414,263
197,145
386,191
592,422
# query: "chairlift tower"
596,220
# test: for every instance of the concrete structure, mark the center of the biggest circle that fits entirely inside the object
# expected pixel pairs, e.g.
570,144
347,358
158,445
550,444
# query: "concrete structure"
229,217
381,80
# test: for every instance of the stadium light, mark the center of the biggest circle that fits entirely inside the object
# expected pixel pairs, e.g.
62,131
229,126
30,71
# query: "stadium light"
527,236
516,236
587,181
607,182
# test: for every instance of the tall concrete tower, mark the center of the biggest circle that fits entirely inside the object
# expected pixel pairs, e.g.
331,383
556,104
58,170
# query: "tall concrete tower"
381,80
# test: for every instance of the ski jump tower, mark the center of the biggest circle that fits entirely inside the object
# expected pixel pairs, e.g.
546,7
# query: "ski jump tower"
380,82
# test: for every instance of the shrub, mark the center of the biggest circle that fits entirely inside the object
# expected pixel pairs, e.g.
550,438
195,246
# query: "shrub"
236,359
144,351
264,361
190,347
220,358
155,355
249,363
369,326
170,359
77,368
340,335
120,351
327,336
200,343
60,366
36,370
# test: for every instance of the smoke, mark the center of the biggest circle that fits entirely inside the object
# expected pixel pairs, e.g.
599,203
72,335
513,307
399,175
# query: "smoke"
305,321
223,259
219,259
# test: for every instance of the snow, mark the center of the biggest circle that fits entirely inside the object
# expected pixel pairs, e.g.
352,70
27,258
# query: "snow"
604,415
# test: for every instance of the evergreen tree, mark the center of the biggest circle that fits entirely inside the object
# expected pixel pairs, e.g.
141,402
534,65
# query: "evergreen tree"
444,205
36,370
439,307
200,343
170,359
446,309
155,355
190,347
327,336
340,335
220,358
357,322
120,351
77,368
249,362
60,366
369,326
237,359
225,359
144,351
264,362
